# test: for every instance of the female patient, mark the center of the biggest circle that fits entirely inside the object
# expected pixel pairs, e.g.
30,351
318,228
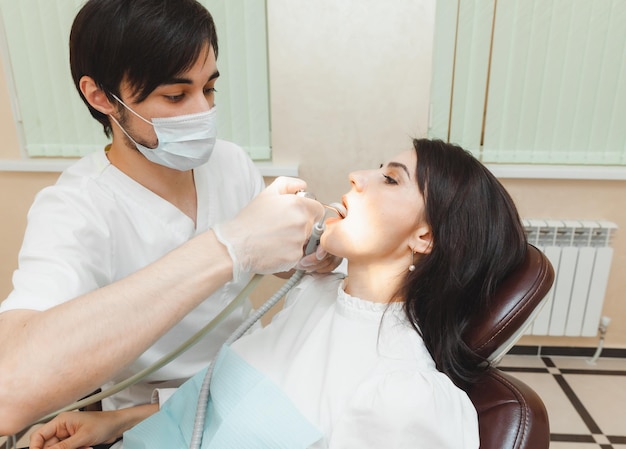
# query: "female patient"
375,359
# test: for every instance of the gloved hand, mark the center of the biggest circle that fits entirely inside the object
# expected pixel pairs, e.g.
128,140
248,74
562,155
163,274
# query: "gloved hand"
267,235
319,262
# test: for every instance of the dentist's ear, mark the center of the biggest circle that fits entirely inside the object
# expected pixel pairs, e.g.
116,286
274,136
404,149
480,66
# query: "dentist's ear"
421,240
95,96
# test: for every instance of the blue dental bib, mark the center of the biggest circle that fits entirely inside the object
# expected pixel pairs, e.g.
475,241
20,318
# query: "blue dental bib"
246,410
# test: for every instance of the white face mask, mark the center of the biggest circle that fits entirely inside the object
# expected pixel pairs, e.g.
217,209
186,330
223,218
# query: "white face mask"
185,141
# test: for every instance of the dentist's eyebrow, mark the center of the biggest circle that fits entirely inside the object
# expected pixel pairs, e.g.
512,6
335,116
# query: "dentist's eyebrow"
189,81
399,165
215,74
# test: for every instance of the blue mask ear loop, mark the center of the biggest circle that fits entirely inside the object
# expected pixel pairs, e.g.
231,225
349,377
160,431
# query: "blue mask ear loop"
131,110
118,123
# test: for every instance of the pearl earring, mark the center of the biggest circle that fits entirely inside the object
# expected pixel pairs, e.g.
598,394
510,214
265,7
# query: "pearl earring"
412,266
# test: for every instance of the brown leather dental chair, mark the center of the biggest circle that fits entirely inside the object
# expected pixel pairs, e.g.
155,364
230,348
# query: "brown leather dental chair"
510,414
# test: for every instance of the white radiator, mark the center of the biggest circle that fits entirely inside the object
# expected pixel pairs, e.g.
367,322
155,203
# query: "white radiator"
581,255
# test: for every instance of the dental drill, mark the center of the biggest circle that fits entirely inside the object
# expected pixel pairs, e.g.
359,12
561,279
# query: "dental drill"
319,227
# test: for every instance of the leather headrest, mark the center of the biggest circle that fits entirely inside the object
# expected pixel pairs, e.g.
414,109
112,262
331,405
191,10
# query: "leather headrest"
514,302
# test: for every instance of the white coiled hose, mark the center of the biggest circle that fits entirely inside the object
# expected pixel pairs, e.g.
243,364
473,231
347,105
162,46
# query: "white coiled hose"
203,397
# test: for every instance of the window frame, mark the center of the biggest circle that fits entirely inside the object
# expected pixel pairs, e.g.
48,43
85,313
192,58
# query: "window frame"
244,111
452,92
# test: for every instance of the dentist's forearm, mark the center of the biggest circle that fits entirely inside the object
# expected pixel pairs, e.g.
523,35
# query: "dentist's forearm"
52,358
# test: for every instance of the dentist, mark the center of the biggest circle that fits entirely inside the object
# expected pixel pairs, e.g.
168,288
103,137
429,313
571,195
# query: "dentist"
138,246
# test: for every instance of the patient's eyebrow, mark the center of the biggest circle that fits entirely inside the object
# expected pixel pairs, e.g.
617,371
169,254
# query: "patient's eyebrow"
399,165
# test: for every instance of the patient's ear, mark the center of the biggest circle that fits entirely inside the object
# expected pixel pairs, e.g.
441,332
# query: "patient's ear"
95,95
421,240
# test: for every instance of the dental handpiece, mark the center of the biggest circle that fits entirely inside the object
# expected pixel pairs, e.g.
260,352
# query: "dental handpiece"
318,228
338,208
316,235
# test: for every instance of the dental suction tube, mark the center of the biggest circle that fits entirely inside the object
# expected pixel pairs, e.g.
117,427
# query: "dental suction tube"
203,397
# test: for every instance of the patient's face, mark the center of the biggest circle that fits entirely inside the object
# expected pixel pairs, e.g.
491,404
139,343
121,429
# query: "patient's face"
384,208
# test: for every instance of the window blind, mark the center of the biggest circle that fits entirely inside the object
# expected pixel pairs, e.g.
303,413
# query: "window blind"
532,81
52,119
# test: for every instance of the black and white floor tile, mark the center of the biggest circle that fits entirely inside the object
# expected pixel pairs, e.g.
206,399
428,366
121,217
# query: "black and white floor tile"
586,402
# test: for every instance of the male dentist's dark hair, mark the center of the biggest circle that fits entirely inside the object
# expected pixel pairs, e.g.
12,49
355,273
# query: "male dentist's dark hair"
144,43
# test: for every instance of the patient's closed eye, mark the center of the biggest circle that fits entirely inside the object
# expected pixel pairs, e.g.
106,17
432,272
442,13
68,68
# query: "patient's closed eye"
389,180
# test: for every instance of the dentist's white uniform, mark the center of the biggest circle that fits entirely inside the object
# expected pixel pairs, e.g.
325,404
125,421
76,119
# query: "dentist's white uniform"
96,225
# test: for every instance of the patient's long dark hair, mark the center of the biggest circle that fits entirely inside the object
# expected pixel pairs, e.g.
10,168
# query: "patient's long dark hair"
477,240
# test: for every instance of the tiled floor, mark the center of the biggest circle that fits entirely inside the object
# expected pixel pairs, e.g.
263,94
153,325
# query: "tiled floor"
586,403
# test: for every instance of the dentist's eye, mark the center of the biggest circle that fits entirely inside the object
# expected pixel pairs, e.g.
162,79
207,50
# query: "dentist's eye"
174,98
389,180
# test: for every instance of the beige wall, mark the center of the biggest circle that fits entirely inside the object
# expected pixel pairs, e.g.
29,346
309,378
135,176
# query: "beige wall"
349,87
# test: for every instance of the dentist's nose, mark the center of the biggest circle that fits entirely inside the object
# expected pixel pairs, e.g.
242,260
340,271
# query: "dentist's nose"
203,103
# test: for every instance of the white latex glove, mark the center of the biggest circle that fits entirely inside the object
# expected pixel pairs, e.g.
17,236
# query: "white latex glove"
267,236
319,262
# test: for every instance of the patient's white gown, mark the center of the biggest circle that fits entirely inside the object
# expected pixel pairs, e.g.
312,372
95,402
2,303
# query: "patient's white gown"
330,371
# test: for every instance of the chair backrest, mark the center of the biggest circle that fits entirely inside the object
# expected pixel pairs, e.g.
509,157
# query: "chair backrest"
515,305
510,414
